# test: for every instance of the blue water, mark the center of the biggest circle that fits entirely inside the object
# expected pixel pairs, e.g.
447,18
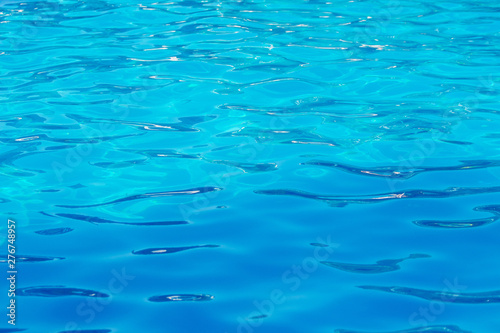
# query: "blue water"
251,166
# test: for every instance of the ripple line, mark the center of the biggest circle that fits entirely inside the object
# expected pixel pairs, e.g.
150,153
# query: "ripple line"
443,296
381,266
182,298
471,223
59,291
193,191
21,258
341,201
97,220
168,250
403,172
426,329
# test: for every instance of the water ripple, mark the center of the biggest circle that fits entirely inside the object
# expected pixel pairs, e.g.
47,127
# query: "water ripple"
402,171
283,136
340,201
192,191
55,231
58,291
381,266
98,220
470,223
184,125
427,329
182,298
249,167
168,250
21,258
442,296
88,331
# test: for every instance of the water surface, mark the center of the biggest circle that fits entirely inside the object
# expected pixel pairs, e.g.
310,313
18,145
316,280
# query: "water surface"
188,166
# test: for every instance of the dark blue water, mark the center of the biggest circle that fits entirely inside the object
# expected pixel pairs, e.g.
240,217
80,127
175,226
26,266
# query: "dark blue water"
251,166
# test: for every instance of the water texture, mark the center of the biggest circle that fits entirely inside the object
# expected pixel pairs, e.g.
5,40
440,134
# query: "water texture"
251,166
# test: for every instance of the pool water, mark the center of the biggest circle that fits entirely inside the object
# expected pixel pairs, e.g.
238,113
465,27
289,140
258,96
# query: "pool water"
251,166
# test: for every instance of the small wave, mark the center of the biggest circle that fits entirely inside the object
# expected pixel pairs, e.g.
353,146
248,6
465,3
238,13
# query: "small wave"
168,250
381,266
59,291
22,258
443,296
182,298
427,329
55,231
192,191
87,331
470,223
340,201
98,220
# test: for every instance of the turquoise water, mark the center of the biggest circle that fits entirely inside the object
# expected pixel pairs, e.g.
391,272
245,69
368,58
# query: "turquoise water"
251,166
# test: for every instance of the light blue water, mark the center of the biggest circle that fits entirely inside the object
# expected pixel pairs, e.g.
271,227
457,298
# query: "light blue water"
251,166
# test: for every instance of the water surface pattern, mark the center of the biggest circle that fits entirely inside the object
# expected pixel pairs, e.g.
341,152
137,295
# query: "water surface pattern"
252,166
